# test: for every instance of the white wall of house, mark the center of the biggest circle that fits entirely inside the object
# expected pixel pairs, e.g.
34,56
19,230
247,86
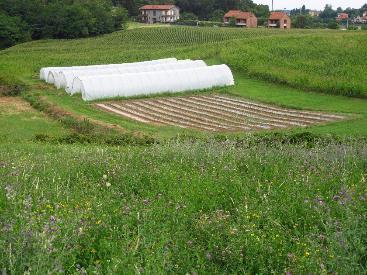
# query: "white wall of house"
160,16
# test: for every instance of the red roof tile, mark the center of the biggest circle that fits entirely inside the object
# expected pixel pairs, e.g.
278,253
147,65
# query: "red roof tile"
343,16
239,14
277,15
157,7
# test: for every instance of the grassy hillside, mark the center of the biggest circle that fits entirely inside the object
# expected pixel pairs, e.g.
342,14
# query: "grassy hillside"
324,61
327,61
168,200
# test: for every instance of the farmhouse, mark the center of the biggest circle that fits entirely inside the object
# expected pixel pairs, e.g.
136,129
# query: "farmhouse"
314,13
342,16
242,18
361,19
151,14
279,20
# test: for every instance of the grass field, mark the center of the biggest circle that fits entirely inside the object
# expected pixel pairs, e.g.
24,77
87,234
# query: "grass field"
170,200
20,122
178,208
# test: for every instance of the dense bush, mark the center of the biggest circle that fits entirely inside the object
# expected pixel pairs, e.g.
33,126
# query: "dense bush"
333,25
22,20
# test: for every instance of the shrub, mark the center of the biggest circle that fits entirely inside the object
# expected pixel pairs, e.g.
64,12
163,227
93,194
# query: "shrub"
10,86
333,25
352,28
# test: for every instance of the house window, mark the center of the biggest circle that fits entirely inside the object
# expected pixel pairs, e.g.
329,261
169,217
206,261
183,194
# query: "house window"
285,21
154,13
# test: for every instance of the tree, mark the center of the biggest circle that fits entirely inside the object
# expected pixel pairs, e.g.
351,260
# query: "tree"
188,16
328,13
60,18
303,10
12,31
246,5
352,12
217,16
302,21
363,9
120,17
262,11
332,24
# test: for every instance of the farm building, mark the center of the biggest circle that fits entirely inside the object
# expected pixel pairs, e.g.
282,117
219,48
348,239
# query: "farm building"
242,18
279,20
361,19
151,14
342,16
314,13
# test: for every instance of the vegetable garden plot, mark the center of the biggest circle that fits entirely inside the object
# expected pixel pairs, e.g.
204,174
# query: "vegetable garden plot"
215,113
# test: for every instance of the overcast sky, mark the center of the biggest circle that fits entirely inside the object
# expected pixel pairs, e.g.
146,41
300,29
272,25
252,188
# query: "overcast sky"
312,4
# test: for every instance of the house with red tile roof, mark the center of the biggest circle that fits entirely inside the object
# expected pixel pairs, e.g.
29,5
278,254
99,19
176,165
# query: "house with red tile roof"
151,14
242,18
279,20
342,16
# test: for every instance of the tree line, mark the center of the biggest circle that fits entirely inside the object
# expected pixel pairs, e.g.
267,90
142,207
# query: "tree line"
301,17
23,20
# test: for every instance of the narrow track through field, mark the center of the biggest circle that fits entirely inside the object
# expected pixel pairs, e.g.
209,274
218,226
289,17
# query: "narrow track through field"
215,113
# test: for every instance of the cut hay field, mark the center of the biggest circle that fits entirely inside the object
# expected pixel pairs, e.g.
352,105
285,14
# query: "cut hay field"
264,177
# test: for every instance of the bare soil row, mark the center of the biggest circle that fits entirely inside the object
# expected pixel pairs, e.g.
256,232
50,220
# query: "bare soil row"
215,113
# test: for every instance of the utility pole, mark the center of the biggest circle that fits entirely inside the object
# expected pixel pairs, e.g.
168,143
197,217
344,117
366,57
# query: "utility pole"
272,5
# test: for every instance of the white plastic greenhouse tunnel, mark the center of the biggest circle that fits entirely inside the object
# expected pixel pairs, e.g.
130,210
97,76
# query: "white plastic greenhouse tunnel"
66,77
73,83
45,72
145,83
139,78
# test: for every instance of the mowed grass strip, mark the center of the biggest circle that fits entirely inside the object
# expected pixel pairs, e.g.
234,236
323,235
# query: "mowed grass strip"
20,122
215,113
